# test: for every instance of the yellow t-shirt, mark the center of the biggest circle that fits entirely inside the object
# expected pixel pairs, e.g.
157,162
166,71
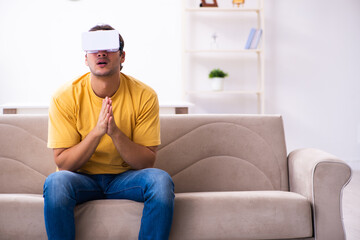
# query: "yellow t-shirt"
74,112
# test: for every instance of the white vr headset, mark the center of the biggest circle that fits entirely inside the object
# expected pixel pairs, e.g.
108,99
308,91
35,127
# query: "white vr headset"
93,42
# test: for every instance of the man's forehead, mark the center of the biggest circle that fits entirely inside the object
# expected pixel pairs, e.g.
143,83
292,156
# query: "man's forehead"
100,40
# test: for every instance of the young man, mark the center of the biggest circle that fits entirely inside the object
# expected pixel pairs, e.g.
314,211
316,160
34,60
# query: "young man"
104,130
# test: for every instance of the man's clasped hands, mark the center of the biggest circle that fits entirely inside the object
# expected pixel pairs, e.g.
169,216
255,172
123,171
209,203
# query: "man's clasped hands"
106,123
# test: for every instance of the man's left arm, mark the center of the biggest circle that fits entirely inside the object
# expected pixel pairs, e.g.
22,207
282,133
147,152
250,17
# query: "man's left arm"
134,154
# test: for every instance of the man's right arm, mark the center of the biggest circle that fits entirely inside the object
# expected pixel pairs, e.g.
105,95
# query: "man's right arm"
75,157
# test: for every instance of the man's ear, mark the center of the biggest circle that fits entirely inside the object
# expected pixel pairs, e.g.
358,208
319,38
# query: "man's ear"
86,62
122,57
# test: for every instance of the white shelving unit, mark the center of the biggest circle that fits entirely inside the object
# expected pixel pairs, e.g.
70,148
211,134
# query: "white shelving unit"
256,12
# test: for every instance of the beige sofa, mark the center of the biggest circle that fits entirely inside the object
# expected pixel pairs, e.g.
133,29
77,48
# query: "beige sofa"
233,180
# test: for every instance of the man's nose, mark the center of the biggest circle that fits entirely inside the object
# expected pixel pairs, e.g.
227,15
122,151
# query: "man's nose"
102,53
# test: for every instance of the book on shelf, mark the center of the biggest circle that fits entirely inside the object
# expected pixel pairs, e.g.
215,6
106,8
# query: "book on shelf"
256,40
253,39
250,38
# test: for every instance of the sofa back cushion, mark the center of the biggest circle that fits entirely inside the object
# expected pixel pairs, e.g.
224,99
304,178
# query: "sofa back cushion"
200,152
223,152
24,158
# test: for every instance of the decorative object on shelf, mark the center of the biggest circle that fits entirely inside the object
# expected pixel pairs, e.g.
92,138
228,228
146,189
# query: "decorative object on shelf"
214,43
208,3
217,76
238,3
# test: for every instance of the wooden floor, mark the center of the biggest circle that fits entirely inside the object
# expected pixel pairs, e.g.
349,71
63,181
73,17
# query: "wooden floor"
351,207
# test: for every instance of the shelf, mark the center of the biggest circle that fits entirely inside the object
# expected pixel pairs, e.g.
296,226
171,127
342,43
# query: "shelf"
226,92
217,9
223,51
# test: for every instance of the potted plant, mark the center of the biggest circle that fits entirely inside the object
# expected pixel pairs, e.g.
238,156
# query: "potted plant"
217,76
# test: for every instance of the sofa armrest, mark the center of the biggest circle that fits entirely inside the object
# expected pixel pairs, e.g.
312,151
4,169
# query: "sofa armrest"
320,177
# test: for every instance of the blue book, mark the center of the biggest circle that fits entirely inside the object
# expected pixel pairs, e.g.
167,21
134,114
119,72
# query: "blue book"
250,38
256,39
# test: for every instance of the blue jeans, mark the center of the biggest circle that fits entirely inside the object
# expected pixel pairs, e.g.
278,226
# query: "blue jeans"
64,189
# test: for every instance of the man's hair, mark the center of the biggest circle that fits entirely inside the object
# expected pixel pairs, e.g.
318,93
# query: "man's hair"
108,27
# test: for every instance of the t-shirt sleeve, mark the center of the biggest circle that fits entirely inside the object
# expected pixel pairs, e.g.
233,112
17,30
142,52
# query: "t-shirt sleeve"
147,127
62,130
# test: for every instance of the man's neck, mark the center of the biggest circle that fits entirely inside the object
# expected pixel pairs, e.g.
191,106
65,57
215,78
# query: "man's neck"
105,86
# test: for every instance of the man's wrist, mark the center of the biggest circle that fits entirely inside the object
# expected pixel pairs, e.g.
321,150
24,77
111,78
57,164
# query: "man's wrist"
96,134
115,133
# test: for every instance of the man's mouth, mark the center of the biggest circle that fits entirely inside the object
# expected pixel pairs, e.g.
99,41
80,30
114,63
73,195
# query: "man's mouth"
101,63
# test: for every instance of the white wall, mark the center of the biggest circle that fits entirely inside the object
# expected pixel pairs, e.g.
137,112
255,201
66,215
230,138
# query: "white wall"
313,73
40,43
312,64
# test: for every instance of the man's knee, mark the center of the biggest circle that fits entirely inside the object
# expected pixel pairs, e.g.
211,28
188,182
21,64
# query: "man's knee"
58,184
57,178
160,182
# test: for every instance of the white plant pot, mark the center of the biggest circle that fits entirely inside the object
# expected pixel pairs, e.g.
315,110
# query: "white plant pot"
217,84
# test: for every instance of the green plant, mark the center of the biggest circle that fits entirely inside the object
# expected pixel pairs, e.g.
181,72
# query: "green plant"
217,73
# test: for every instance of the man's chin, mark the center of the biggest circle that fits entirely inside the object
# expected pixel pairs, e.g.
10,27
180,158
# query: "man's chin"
102,73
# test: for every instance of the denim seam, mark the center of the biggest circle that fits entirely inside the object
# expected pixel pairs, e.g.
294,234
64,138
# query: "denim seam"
142,191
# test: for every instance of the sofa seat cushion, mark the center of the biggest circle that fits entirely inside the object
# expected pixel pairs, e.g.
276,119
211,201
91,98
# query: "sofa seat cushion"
22,217
241,215
206,215
108,219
